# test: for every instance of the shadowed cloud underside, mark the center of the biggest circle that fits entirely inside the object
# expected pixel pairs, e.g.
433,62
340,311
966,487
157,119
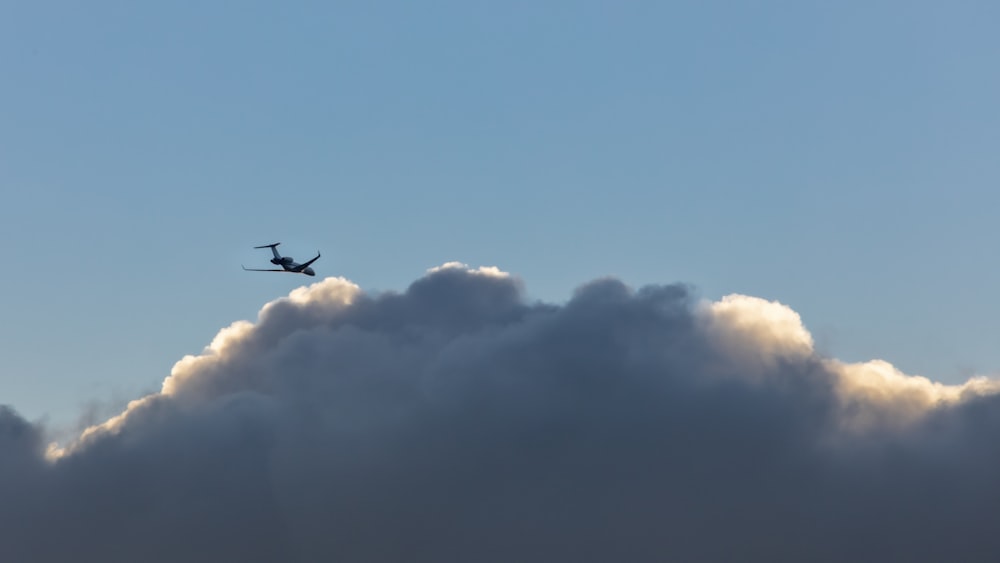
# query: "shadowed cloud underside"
458,422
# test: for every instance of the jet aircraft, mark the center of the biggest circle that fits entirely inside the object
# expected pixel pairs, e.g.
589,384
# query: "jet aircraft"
286,263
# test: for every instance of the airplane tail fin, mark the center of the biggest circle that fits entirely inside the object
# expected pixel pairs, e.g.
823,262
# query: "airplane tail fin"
273,247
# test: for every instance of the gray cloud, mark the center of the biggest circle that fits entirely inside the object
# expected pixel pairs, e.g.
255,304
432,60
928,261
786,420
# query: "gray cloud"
457,422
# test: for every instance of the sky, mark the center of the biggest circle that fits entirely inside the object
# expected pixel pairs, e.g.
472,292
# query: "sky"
835,158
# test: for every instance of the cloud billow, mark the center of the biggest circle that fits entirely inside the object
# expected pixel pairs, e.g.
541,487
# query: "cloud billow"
457,422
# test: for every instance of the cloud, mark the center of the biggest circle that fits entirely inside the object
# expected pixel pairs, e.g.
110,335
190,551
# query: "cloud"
456,421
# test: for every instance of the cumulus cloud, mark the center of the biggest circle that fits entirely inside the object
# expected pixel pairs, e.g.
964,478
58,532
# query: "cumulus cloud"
456,421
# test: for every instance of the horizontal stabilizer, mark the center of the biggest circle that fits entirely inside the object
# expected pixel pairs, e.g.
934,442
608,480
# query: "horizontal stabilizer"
268,245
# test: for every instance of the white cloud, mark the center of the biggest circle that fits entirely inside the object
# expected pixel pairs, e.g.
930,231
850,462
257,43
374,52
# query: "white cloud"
491,271
754,333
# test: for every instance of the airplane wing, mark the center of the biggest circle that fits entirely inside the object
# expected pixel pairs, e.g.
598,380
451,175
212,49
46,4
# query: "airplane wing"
270,270
301,267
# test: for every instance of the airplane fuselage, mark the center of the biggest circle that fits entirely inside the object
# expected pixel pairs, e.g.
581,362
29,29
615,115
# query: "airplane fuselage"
289,264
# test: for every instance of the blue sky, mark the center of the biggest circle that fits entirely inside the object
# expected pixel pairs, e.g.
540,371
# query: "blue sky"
837,158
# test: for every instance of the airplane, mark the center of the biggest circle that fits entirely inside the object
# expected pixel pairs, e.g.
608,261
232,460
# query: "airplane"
286,263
